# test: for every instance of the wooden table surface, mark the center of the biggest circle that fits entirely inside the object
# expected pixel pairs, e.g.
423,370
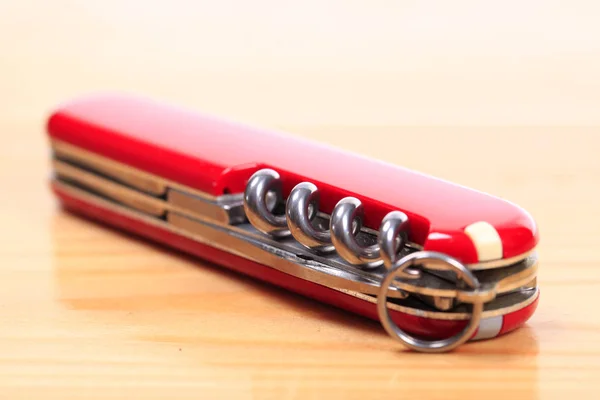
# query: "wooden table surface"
502,98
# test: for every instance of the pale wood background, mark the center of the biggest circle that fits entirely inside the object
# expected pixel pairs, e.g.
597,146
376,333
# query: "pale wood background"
455,89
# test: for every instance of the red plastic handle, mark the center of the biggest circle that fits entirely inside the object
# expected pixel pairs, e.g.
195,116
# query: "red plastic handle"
217,156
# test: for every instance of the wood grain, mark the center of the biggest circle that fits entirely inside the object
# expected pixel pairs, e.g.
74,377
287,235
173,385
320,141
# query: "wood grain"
87,312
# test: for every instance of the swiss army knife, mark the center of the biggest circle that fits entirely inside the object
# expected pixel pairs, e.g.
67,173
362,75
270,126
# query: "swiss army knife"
438,264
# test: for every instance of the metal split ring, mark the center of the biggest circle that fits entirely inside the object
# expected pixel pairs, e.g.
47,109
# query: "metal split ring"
399,268
263,193
301,208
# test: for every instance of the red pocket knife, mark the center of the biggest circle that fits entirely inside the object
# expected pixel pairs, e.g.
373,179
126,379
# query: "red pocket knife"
436,263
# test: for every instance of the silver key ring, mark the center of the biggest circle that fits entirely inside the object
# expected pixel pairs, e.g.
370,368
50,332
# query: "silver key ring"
399,267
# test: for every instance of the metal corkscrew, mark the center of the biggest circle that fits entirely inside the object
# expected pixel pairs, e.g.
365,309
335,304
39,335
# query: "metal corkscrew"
263,194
